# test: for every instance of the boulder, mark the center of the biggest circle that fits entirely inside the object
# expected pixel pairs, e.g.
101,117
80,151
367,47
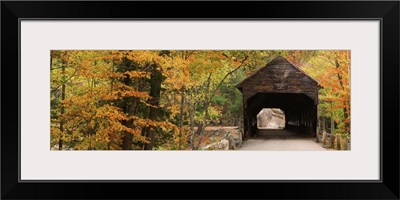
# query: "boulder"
232,143
221,145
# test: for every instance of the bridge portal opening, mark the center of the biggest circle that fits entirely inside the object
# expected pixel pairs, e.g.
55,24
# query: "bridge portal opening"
280,84
271,118
299,110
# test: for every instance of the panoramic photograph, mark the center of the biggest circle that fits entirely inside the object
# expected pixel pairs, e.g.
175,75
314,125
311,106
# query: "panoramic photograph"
245,100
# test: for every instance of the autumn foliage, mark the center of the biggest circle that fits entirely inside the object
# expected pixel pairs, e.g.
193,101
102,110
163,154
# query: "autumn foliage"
138,99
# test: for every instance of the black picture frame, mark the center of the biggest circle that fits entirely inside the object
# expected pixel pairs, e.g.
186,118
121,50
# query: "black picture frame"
386,11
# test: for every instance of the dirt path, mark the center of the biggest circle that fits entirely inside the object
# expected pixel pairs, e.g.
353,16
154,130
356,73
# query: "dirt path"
280,140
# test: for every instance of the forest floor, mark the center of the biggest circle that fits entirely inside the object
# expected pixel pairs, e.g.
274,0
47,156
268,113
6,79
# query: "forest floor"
280,140
266,139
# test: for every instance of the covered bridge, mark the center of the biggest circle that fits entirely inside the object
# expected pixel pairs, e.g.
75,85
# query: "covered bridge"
280,84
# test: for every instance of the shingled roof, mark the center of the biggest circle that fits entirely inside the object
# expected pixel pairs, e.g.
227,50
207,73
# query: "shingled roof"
273,61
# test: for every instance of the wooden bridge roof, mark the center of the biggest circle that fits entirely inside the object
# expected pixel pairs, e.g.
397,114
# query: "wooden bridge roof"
278,59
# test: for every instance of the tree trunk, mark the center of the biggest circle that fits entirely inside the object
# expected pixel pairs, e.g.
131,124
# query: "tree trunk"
324,136
192,133
128,137
203,125
62,111
345,116
199,129
130,109
206,103
155,93
181,118
332,122
345,111
345,144
332,141
338,142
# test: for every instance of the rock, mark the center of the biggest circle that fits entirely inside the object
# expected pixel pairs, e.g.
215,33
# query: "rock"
264,117
221,145
55,147
271,118
232,143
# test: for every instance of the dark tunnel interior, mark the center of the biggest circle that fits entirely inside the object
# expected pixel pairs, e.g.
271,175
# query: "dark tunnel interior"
300,111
